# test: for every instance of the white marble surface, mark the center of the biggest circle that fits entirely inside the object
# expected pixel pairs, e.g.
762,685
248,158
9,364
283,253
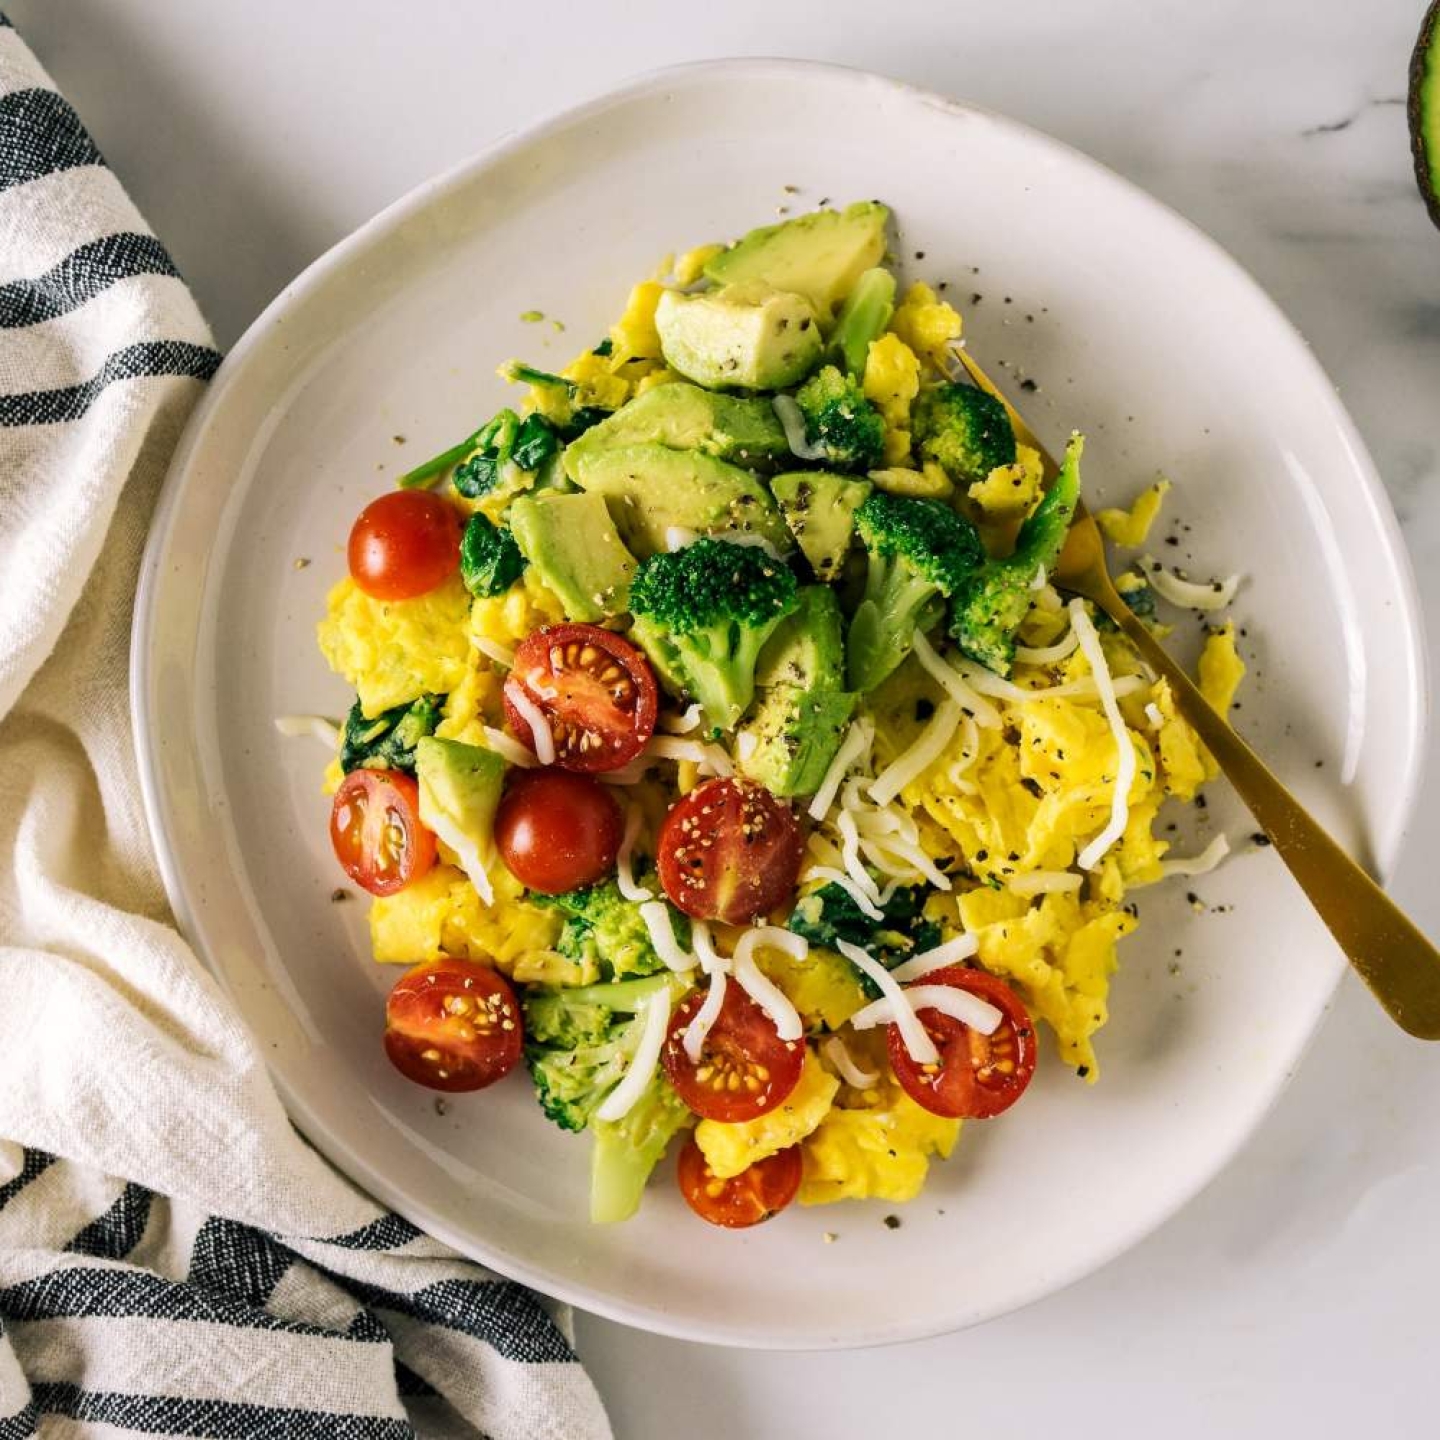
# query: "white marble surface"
1293,1295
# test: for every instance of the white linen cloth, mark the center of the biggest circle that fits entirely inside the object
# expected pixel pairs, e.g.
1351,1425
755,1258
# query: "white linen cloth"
174,1259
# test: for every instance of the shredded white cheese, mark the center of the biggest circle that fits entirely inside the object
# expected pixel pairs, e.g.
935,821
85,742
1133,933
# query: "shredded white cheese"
656,915
955,685
850,855
918,1044
909,854
683,723
677,537
534,717
840,878
316,726
788,413
1201,864
845,1066
949,952
711,961
693,1039
675,747
466,851
747,742
920,755
1092,854
992,684
854,747
1188,594
1047,654
624,871
1047,597
619,1102
502,655
968,1009
1038,583
759,987
1153,715
509,749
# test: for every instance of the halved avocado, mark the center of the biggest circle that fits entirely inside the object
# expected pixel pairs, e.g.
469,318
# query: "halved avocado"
1424,110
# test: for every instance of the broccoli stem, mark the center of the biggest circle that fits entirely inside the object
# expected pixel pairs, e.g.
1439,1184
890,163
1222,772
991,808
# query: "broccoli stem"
862,319
624,995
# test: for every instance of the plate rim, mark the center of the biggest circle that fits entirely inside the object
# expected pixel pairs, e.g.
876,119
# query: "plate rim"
156,803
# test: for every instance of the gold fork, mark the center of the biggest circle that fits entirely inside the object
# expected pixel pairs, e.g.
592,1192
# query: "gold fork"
1401,967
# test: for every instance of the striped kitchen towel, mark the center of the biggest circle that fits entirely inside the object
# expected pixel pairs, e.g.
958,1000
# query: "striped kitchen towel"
174,1260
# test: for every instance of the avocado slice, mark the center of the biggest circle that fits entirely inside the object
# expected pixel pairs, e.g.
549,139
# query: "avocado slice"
820,255
747,336
650,489
807,649
459,794
819,507
1424,110
576,550
796,734
687,417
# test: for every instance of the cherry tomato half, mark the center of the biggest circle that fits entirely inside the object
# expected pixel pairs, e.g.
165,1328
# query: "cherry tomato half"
978,1075
755,1194
596,689
453,1025
729,851
557,831
745,1069
404,544
376,831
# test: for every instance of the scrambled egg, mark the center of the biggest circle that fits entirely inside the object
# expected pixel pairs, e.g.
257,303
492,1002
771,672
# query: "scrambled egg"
930,482
440,914
731,1148
927,324
892,381
394,651
1010,492
1130,527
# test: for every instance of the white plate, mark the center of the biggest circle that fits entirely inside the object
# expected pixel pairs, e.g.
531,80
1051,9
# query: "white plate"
1136,328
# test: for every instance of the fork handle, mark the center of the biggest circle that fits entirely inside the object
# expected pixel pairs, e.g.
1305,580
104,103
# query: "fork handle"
1394,959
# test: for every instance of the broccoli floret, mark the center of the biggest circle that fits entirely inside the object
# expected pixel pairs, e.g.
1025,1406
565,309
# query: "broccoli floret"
605,934
989,607
628,1149
704,613
831,915
964,430
490,560
578,1044
387,742
842,428
920,553
862,319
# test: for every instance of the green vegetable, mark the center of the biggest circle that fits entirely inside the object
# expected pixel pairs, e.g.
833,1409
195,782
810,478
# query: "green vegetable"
964,430
988,609
862,319
920,553
703,614
578,1046
490,560
506,445
517,372
840,422
387,742
604,933
831,915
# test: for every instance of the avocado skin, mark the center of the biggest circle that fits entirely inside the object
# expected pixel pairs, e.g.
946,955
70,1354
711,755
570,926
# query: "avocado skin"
575,548
1425,74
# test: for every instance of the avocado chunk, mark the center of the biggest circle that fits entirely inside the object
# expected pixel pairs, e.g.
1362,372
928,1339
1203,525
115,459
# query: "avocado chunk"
796,734
819,508
807,649
745,337
651,489
820,255
576,550
685,417
459,794
1424,110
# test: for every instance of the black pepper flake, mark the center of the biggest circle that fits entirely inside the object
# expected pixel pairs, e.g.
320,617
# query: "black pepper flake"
1260,838
1082,1071
919,255
339,897
892,1222
1033,786
1029,385
943,286
924,709
1193,898
1201,802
